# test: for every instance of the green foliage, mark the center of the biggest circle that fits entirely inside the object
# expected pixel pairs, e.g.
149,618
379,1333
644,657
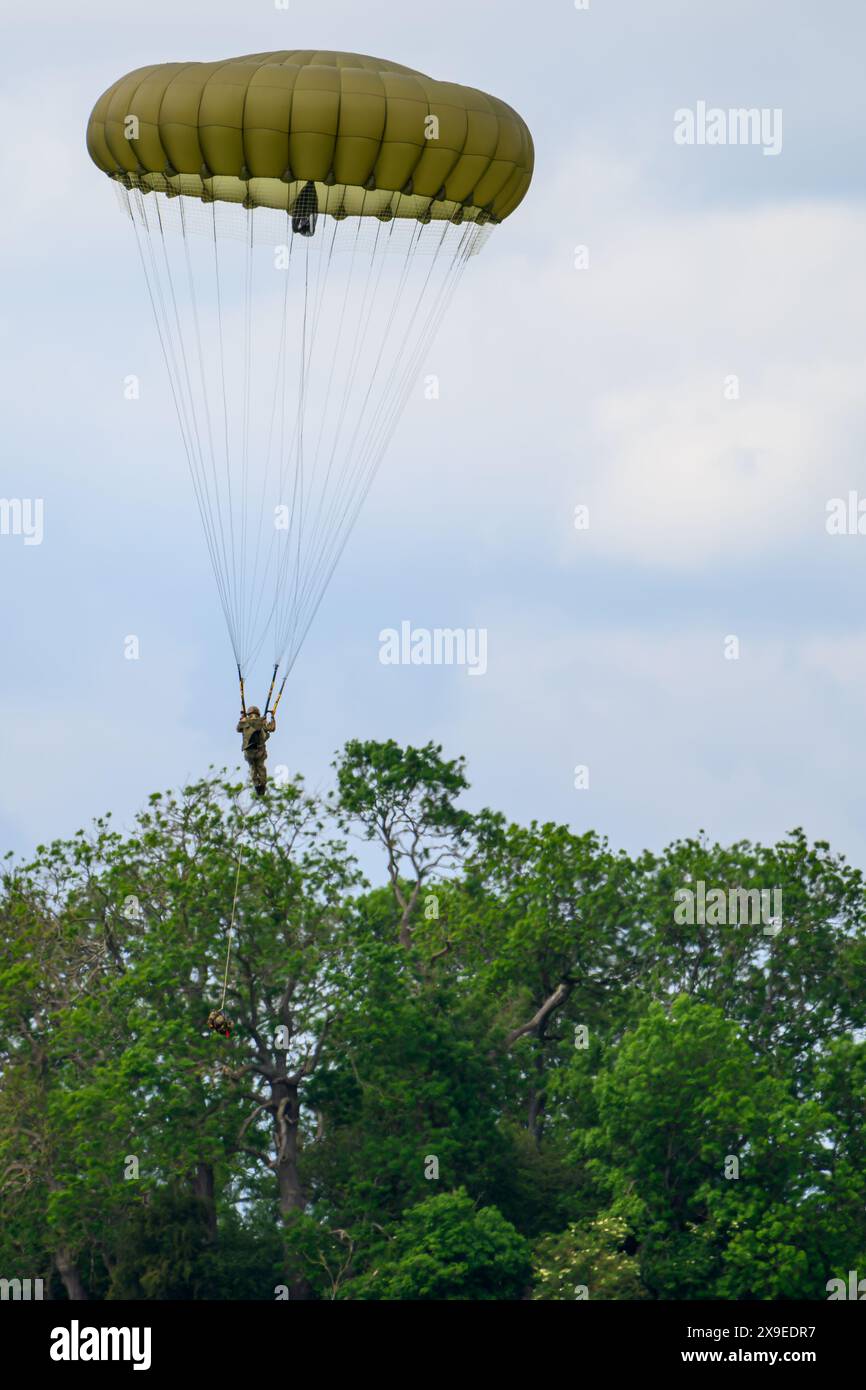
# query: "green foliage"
586,1261
514,1021
381,782
721,1169
162,1251
166,1251
447,1249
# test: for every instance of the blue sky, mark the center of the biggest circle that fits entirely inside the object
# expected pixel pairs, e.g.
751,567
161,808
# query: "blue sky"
559,387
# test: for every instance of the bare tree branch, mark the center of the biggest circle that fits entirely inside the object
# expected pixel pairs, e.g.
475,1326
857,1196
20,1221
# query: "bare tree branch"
559,996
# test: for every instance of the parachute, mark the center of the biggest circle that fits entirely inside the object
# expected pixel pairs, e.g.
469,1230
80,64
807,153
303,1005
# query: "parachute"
302,220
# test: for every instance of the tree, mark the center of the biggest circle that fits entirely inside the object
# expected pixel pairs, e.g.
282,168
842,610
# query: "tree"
405,799
550,928
717,1167
513,1039
587,1261
446,1249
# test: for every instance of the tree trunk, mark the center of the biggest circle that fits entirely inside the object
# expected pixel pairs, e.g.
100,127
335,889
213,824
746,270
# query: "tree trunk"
286,1112
535,1118
203,1187
68,1271
538,1092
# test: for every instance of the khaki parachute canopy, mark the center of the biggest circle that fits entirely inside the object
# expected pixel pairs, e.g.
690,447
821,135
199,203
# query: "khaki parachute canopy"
373,138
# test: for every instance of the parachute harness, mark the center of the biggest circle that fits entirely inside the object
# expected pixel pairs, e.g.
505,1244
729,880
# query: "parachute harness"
287,392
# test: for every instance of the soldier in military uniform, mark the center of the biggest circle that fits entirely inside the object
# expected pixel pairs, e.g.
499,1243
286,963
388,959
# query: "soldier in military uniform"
256,731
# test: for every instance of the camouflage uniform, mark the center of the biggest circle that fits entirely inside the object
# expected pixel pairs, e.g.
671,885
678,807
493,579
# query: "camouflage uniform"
256,731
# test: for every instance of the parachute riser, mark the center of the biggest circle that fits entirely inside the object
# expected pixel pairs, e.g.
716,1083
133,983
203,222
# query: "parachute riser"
280,695
271,691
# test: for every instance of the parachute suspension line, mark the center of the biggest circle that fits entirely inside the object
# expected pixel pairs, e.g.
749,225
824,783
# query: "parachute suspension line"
319,295
245,425
296,517
280,394
307,601
141,227
200,482
187,382
279,375
182,379
292,540
393,404
390,415
395,413
313,296
231,930
350,451
204,391
283,561
347,389
221,342
289,625
288,601
303,473
302,382
324,414
332,492
369,293
381,430
243,697
391,407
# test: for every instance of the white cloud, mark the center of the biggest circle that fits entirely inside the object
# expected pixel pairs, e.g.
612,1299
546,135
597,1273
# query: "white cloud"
608,386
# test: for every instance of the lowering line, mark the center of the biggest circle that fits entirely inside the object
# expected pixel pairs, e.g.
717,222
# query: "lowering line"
231,929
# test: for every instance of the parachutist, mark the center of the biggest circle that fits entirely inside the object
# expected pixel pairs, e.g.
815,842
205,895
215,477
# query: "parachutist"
218,1023
310,134
256,729
305,211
